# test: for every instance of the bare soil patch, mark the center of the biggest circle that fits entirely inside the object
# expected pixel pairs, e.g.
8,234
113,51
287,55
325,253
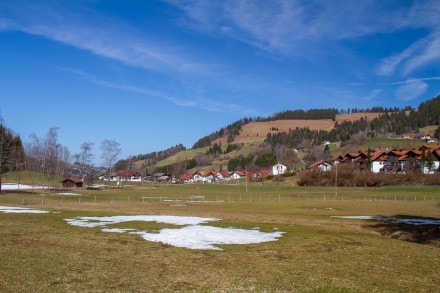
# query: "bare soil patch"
423,234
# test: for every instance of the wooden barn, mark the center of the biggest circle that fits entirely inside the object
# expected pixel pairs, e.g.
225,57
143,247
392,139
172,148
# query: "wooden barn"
72,182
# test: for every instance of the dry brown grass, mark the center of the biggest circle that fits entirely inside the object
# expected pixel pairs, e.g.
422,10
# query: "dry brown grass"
317,253
257,131
356,116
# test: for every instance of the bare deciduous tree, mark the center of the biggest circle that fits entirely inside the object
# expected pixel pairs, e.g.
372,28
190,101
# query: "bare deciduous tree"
47,155
110,152
84,159
50,153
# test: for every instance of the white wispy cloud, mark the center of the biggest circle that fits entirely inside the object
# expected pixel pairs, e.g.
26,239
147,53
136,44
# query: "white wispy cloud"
294,27
108,38
423,52
429,54
410,90
198,103
88,30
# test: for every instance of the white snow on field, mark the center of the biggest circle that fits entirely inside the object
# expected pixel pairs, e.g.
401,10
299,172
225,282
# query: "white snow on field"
192,236
206,237
104,221
16,210
15,186
356,217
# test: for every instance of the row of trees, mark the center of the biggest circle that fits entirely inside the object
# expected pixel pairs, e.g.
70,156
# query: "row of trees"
230,131
11,152
312,114
47,156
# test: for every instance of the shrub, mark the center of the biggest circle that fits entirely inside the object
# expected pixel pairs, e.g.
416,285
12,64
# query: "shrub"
348,177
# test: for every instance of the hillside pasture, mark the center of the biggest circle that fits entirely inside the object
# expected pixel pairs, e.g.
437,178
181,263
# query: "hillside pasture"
318,251
257,131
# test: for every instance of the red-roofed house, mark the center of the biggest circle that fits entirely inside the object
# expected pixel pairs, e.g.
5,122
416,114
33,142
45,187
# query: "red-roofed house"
321,166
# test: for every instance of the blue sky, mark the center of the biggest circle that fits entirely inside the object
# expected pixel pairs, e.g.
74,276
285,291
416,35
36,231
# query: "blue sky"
153,74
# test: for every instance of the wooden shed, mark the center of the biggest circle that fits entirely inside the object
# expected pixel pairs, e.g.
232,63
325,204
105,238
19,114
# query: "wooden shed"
72,182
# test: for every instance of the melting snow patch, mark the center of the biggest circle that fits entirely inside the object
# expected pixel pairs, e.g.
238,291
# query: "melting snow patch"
69,193
206,237
356,217
17,210
15,186
191,236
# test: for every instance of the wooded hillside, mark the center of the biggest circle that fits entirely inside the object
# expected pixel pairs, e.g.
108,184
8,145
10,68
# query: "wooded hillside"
253,139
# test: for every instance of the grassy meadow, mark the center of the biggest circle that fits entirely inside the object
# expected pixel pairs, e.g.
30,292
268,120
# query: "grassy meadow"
317,252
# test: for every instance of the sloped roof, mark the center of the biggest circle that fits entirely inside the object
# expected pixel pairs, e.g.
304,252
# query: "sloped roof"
185,176
316,164
73,179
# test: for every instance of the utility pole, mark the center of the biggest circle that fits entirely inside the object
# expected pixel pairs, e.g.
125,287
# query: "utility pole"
336,179
246,174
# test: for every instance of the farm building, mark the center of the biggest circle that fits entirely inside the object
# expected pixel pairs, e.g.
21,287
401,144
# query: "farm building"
72,182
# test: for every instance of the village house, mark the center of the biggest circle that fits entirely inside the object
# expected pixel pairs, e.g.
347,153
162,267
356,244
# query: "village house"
321,166
425,160
204,176
278,169
223,176
186,178
238,174
121,176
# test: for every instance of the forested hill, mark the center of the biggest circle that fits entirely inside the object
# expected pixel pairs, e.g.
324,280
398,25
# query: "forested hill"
150,158
403,121
389,121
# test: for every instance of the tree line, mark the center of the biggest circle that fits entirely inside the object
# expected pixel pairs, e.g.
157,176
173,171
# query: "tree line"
47,156
11,152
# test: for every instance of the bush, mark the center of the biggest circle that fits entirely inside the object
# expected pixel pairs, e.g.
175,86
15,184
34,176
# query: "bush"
278,178
349,177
